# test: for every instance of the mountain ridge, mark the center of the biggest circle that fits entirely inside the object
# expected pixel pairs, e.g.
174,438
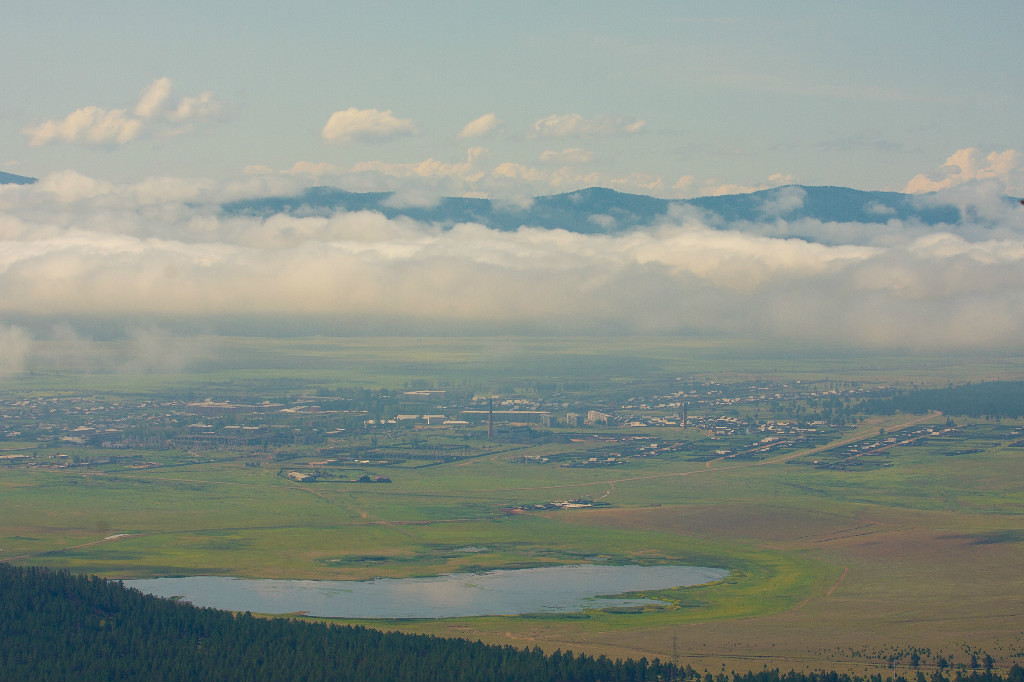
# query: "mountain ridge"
12,179
600,210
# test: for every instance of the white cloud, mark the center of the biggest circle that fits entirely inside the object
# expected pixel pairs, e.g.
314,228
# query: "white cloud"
607,222
967,165
163,248
479,127
878,208
153,98
365,124
430,168
570,156
634,182
542,180
315,169
683,184
93,125
784,201
71,186
74,199
203,105
576,125
476,176
518,171
411,197
260,169
712,189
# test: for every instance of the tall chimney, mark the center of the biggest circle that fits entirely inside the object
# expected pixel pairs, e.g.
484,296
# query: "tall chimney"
490,418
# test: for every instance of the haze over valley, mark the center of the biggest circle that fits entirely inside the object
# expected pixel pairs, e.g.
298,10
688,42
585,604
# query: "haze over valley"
441,298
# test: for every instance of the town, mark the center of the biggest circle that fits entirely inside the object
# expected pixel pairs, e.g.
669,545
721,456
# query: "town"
359,435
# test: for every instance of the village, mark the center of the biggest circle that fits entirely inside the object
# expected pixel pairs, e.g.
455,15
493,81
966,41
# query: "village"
354,435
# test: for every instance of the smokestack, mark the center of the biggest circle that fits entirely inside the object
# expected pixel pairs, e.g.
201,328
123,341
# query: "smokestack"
490,418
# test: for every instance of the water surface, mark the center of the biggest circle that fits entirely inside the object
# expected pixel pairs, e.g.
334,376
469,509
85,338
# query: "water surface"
549,589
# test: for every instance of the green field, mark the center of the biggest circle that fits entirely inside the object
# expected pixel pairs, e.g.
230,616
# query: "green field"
851,567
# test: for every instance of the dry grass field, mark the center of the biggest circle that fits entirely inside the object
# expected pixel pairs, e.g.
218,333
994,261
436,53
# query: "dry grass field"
934,569
907,579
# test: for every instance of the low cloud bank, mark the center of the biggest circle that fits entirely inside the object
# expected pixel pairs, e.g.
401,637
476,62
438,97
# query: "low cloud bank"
77,247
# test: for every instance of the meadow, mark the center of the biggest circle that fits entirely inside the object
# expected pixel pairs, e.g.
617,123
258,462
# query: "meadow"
914,549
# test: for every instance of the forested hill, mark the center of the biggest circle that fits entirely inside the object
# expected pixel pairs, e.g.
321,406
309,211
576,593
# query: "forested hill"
597,210
986,399
12,179
58,626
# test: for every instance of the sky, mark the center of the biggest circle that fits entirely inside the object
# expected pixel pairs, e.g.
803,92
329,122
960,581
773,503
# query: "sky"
138,117
666,98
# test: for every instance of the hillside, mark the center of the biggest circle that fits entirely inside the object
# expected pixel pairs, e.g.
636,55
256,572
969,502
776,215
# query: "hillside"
598,210
58,626
12,179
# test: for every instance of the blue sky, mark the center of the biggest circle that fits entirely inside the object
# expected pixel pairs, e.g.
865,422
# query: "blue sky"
668,98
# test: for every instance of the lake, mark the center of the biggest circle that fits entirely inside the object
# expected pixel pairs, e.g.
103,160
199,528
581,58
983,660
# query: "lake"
548,589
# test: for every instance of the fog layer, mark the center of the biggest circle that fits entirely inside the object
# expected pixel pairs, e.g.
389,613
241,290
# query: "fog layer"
75,247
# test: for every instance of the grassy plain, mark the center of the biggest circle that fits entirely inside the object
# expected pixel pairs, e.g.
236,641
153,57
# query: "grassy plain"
846,569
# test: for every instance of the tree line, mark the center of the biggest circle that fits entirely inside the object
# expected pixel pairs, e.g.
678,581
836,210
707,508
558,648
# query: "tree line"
55,625
985,399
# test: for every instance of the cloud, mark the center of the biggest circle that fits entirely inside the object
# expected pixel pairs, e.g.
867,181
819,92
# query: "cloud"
476,176
712,189
81,248
261,169
430,168
119,346
93,125
576,125
570,156
878,208
784,201
365,125
203,105
70,186
15,344
479,127
968,165
153,98
156,350
316,169
518,171
644,182
683,184
413,197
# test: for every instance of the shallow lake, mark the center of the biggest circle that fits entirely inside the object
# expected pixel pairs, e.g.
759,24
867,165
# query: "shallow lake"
549,589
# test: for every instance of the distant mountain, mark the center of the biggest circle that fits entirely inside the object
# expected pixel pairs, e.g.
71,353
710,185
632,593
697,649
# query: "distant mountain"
597,210
12,179
827,204
588,211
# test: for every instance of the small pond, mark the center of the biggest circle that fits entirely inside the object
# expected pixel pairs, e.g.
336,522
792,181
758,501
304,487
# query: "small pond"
549,589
